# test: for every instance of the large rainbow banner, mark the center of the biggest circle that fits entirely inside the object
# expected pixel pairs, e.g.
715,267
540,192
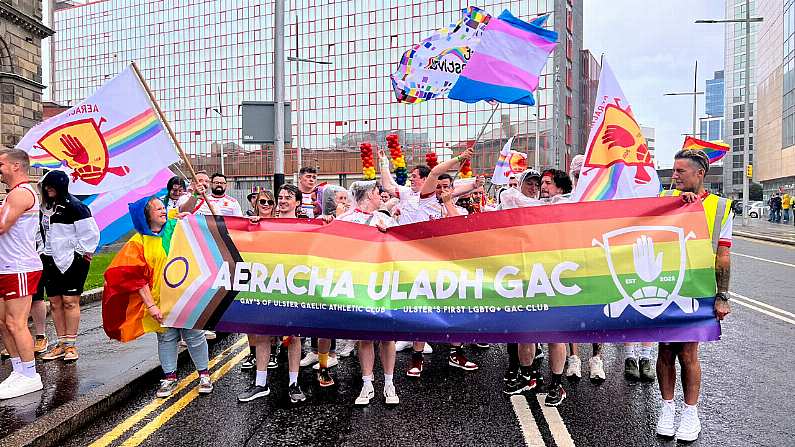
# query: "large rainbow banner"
629,270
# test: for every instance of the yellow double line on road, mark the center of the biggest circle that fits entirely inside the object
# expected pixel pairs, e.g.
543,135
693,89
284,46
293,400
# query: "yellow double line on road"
139,436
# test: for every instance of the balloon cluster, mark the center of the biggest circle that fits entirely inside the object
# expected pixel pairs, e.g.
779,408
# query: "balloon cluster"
368,165
396,152
466,169
431,160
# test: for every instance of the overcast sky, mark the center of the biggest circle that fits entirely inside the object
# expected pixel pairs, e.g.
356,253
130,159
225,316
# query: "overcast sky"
652,47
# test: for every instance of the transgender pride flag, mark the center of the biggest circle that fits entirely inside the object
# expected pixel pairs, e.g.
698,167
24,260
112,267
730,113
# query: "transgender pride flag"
506,64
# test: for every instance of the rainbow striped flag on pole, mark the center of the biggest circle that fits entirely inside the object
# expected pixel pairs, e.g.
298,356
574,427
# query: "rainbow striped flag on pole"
634,270
111,140
715,150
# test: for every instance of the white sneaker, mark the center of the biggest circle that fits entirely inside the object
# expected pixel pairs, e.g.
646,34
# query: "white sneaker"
345,347
428,349
9,380
210,335
690,425
665,425
390,395
21,385
403,345
205,384
365,395
597,367
573,366
309,359
332,361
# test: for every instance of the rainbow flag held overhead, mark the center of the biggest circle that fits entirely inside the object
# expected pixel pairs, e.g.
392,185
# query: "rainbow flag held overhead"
715,150
111,140
618,163
635,270
507,62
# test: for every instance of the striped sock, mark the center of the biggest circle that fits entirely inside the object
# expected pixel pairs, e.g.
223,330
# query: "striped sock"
70,340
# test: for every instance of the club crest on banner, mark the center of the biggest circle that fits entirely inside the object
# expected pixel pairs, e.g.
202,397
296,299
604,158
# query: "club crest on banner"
659,257
81,146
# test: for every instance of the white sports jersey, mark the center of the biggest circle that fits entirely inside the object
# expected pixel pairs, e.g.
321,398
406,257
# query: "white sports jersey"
414,208
18,245
361,217
224,206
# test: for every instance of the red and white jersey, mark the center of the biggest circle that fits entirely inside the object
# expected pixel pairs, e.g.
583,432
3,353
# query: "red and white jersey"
224,205
414,208
18,245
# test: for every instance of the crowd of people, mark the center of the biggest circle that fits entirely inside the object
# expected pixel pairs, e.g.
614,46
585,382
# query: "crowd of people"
780,205
46,247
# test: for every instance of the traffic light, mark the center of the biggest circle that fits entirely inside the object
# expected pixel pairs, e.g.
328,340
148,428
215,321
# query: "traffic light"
749,171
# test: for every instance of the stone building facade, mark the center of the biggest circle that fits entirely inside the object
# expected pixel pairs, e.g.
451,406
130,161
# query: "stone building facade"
21,32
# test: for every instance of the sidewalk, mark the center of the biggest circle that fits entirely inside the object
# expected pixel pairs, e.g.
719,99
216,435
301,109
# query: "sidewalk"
107,373
761,229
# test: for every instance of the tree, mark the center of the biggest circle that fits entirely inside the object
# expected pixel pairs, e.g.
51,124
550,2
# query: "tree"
755,191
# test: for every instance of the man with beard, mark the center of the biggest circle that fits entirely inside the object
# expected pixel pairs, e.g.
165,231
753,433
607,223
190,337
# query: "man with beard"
223,204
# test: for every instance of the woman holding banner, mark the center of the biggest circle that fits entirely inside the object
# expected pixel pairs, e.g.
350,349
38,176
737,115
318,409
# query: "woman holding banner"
368,200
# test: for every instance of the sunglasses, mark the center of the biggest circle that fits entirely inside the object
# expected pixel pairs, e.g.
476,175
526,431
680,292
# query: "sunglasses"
267,202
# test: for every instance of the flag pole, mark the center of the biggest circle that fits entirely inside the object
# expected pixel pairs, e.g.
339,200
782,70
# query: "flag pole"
480,134
171,133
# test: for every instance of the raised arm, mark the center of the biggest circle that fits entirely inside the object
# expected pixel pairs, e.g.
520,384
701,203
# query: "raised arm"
461,190
433,178
386,176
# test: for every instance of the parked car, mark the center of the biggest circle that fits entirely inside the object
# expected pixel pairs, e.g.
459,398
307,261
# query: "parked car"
758,209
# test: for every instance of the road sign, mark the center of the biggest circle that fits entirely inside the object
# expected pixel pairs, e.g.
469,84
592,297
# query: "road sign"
258,120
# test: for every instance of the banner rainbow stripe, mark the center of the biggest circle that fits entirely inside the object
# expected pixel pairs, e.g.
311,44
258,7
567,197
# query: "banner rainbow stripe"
559,273
605,185
715,150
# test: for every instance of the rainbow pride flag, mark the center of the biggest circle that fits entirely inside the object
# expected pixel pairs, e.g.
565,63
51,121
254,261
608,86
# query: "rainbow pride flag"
715,150
634,270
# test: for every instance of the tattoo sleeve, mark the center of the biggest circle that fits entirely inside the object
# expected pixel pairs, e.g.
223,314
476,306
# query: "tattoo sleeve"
723,269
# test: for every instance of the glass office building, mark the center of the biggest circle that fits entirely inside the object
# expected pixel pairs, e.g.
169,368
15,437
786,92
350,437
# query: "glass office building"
203,58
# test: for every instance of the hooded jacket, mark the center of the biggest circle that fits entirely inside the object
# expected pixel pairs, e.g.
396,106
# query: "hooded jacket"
70,228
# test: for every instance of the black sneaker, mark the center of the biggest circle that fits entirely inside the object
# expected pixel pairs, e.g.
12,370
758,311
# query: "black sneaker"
510,374
538,377
519,385
555,396
324,379
296,395
273,360
631,370
646,371
253,392
249,362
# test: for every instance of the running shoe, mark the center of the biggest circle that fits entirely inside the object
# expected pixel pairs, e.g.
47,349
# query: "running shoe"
273,360
365,395
510,374
597,368
519,384
416,368
249,362
345,347
665,424
390,395
646,371
573,367
631,370
324,379
40,345
309,359
4,355
296,394
458,359
403,345
689,426
427,349
70,354
205,384
167,387
253,392
210,335
555,396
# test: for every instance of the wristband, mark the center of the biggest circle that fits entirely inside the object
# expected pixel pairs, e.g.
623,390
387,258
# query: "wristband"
459,158
149,307
721,296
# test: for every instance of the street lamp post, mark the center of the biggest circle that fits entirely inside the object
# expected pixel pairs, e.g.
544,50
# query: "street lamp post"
298,109
694,94
746,121
278,86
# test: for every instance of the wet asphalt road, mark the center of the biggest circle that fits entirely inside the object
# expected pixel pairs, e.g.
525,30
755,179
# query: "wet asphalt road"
747,394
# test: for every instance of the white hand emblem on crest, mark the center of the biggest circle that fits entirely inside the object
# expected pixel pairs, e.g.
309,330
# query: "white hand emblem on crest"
647,266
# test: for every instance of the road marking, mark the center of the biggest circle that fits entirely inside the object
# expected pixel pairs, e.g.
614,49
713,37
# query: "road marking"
532,437
109,437
764,242
759,303
140,436
739,299
559,431
765,260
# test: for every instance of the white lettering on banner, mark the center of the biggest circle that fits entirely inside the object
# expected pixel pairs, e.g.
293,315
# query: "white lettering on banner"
508,282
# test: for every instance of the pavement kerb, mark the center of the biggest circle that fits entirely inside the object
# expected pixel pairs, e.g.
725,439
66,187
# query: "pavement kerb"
68,418
765,238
